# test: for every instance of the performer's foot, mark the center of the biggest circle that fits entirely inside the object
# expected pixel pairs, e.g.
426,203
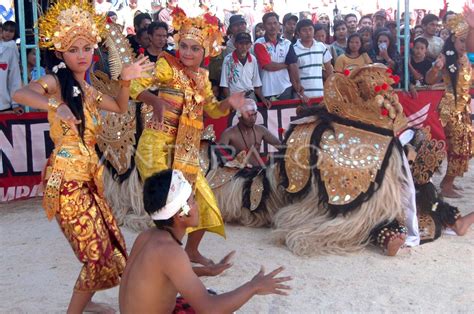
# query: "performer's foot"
198,258
449,192
462,224
102,308
458,188
395,243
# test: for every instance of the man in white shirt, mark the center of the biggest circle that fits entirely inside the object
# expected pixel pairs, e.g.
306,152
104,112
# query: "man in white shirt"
240,71
312,57
435,43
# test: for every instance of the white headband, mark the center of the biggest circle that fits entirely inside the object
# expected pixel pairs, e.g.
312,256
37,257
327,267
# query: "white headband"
249,105
177,199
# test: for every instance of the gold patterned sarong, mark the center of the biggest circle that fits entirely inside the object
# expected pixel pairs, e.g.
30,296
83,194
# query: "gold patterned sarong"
89,226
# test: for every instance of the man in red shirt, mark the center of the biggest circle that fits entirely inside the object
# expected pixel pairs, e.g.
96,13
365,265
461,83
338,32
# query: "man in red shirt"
277,59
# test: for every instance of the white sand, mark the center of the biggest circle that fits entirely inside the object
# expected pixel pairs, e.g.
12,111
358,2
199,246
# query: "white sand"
39,269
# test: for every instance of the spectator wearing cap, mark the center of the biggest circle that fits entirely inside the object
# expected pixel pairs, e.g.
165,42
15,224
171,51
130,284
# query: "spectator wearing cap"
435,43
289,26
313,58
379,19
237,24
351,23
240,71
277,59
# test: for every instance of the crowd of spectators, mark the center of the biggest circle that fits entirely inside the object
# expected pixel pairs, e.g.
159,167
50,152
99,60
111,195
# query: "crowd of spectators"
273,59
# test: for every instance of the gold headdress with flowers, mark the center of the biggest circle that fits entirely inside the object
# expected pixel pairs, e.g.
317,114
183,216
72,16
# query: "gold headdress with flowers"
66,21
458,25
203,29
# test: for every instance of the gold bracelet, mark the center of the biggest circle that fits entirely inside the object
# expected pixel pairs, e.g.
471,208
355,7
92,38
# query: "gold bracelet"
124,83
53,103
99,97
43,85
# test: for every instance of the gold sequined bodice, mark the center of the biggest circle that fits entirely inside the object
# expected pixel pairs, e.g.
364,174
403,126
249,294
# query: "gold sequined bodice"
82,159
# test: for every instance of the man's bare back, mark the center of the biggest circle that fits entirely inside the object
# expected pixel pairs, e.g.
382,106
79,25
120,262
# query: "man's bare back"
144,286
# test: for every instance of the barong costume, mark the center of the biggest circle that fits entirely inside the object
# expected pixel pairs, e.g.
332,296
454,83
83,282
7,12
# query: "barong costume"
176,144
73,175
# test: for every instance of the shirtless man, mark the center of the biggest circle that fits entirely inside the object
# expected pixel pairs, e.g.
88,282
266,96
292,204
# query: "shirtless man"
247,136
158,267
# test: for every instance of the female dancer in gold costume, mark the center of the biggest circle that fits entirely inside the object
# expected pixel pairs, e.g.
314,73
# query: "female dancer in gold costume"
73,176
454,108
173,137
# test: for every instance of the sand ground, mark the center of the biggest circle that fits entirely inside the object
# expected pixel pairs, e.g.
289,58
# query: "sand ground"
39,269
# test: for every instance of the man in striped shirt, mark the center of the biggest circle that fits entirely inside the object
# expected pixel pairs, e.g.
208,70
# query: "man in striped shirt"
312,57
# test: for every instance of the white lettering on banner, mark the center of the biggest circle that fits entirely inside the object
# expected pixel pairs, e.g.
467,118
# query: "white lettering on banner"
15,151
38,149
15,192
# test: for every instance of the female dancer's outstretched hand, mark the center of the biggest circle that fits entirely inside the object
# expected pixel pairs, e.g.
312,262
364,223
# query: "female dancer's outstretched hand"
138,69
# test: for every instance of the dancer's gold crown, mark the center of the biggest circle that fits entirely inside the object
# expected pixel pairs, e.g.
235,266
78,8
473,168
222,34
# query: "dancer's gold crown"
203,29
68,20
458,25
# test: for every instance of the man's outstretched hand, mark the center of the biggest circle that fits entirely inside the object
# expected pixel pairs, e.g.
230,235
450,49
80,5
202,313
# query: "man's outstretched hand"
270,284
215,269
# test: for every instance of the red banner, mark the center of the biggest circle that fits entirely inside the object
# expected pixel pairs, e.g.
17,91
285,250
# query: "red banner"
24,148
422,111
25,143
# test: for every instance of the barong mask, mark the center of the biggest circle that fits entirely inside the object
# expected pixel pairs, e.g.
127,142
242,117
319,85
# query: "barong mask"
68,20
203,29
177,199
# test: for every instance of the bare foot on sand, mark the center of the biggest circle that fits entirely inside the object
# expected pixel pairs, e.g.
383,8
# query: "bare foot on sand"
102,308
395,243
449,192
198,258
462,224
